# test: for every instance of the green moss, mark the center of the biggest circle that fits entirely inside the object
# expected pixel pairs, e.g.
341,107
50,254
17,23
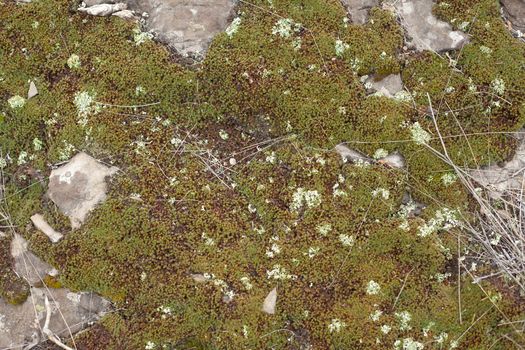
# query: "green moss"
289,207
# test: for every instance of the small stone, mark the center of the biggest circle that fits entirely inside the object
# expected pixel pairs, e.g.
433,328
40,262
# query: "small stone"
42,225
32,92
350,155
387,86
103,9
359,9
394,160
270,302
233,161
199,277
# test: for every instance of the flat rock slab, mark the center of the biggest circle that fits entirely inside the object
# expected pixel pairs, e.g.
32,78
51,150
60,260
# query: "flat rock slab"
77,187
501,179
20,324
387,86
425,31
27,265
514,10
359,9
188,26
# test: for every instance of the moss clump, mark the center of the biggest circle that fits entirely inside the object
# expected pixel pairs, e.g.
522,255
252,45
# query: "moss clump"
52,282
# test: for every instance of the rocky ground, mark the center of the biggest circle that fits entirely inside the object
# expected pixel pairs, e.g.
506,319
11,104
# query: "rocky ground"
257,174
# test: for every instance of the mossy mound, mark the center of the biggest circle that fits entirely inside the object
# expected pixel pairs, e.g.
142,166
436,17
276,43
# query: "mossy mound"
229,185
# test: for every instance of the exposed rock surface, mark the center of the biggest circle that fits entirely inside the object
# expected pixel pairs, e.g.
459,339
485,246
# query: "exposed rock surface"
504,178
514,11
425,31
20,325
27,265
359,9
387,86
77,187
188,26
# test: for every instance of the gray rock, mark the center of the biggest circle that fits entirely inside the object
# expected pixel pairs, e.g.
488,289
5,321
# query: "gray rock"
97,2
32,92
187,26
350,155
393,160
359,9
27,265
125,14
270,302
20,325
426,32
504,178
77,187
514,11
387,86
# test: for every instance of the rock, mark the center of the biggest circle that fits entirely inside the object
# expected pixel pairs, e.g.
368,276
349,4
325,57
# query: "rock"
359,9
350,155
97,2
27,265
42,225
387,86
187,26
20,325
77,187
124,14
199,277
269,302
32,92
393,160
504,178
514,11
426,32
103,9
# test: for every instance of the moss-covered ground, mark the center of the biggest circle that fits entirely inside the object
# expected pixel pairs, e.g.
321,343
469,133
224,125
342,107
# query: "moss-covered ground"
190,242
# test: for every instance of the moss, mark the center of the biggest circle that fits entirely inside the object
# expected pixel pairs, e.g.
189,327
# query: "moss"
52,282
270,200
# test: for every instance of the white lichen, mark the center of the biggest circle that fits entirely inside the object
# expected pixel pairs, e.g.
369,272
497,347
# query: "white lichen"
340,48
285,27
346,240
336,325
373,288
419,135
498,86
73,62
323,229
233,27
301,198
16,102
403,318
